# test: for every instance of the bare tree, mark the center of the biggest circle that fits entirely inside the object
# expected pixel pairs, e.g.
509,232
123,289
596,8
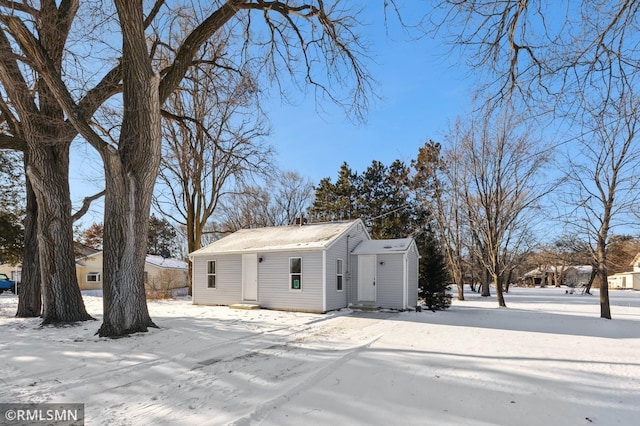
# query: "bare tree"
312,33
282,202
30,40
499,188
546,53
213,129
604,181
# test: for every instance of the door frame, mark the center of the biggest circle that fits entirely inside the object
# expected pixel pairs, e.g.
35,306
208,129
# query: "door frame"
250,277
367,262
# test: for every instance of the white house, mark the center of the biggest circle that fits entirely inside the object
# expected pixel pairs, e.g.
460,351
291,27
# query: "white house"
315,267
627,280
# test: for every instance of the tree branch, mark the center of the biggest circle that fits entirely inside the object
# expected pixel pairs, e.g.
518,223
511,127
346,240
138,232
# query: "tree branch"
86,203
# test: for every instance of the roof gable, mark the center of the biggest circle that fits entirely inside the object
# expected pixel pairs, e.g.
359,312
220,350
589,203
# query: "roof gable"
397,245
281,238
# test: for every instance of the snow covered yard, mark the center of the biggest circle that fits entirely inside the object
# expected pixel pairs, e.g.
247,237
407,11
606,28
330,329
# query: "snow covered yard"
548,359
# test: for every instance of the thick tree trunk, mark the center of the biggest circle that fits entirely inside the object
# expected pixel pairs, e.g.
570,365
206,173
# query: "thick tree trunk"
48,172
130,174
30,295
126,218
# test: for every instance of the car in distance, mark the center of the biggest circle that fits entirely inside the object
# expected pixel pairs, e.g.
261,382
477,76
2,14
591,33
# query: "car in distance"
6,284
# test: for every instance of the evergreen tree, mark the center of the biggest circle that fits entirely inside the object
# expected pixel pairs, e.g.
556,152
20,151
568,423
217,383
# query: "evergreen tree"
161,238
393,202
337,201
433,276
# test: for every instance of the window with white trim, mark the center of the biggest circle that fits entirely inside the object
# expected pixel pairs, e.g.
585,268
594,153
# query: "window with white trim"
339,274
211,274
94,277
295,273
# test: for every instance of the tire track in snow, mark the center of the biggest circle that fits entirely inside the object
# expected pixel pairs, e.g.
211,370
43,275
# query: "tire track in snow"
255,341
262,411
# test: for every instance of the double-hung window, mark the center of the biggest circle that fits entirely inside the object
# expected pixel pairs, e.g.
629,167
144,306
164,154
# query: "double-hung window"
295,273
211,274
339,274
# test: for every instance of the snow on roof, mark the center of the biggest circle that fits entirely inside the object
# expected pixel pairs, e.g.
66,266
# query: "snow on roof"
293,237
383,246
581,269
168,263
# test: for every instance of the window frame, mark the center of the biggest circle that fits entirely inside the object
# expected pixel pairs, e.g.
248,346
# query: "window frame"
96,275
339,275
293,274
211,275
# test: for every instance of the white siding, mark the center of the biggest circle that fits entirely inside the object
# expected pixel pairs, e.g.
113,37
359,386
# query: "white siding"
274,288
390,282
412,277
336,299
228,280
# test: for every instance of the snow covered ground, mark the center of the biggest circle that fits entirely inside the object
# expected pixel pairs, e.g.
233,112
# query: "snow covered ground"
547,359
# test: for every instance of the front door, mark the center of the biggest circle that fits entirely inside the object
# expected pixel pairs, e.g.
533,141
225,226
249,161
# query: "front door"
250,277
367,278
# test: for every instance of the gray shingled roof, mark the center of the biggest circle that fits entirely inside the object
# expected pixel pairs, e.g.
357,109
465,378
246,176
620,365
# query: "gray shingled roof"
280,238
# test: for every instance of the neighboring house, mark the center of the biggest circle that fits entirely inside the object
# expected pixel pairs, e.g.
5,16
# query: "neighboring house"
627,280
578,275
160,274
14,272
315,267
571,275
544,276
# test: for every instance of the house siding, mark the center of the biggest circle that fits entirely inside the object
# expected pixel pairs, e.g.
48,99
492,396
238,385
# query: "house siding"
412,277
274,287
273,281
396,278
228,280
390,270
89,264
341,250
352,288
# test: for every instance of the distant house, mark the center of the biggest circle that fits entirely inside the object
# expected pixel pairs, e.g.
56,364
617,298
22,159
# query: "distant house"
160,274
571,275
315,267
578,275
627,280
15,271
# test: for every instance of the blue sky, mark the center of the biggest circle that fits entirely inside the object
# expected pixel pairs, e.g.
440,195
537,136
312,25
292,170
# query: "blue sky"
421,90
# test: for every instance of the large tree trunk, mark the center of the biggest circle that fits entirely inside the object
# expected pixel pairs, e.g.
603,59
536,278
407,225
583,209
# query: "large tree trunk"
48,172
30,293
126,216
130,174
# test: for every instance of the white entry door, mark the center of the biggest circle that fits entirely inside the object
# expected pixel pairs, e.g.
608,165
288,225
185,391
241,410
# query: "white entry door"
367,278
250,277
